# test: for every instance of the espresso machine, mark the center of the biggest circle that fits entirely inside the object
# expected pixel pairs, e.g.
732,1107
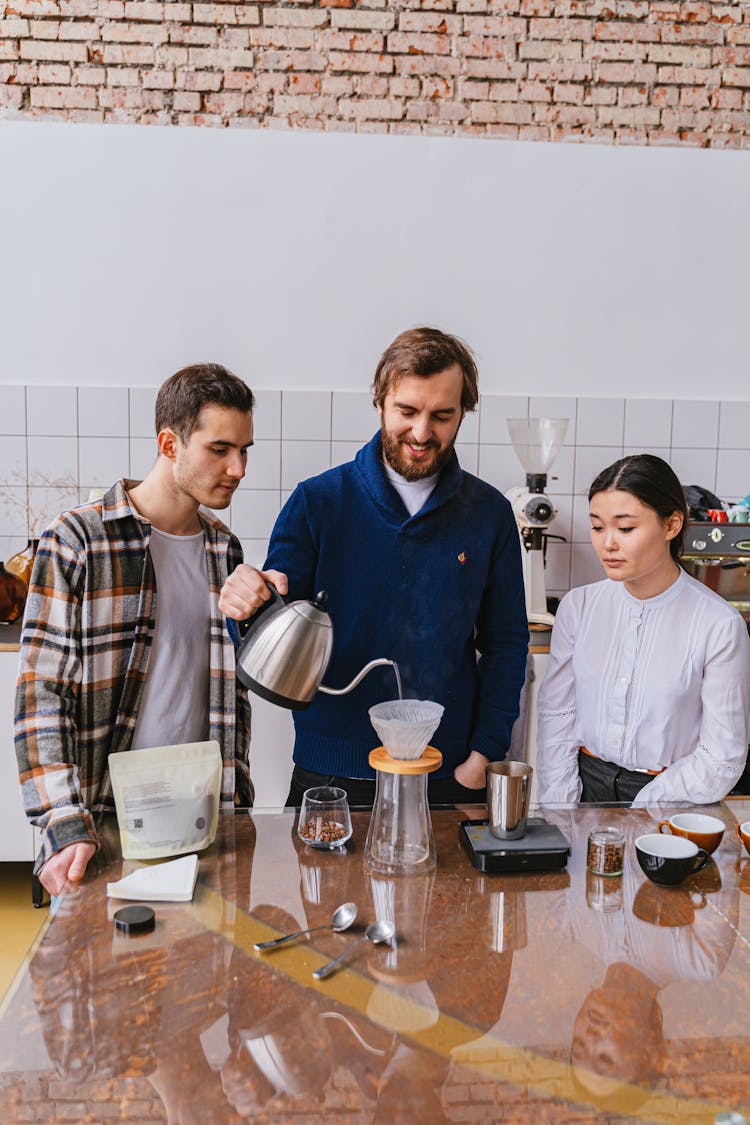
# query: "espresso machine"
718,555
537,442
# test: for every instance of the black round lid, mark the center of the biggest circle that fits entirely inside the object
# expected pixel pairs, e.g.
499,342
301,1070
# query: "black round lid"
135,919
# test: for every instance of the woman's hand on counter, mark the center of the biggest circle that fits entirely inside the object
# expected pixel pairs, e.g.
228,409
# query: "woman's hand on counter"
471,773
66,866
246,589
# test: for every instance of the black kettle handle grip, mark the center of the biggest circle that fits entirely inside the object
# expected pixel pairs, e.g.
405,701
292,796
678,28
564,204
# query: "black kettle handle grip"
239,630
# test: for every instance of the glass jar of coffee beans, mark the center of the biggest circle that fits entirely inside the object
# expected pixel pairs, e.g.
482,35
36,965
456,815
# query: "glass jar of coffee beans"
606,851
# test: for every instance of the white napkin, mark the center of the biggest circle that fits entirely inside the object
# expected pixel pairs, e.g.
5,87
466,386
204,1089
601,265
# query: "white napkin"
173,881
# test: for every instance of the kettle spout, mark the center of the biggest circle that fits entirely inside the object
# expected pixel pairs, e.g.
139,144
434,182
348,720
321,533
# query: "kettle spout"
361,675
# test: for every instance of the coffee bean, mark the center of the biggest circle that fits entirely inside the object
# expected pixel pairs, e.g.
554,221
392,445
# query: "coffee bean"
322,831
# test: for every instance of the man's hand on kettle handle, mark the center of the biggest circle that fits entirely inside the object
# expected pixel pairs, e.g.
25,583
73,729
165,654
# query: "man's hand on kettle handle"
246,589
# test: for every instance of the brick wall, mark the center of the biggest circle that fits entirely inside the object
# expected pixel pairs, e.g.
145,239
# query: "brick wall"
615,71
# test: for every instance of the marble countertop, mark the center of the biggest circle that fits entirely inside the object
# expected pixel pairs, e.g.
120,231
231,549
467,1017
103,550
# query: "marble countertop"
555,997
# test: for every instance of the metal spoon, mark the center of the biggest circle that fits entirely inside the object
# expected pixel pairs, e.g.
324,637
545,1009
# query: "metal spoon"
341,919
375,932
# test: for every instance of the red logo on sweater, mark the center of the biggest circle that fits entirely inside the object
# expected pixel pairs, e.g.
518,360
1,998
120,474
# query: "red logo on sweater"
462,558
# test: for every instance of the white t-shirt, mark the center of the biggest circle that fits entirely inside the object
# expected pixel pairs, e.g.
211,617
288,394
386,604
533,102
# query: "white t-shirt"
414,493
174,707
661,683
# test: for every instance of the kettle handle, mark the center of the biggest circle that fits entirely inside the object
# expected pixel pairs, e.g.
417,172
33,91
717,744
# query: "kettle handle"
239,631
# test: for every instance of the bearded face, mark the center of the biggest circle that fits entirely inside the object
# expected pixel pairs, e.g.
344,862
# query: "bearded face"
419,421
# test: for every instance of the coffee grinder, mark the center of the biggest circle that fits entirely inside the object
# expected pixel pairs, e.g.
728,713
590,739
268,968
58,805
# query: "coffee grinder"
537,442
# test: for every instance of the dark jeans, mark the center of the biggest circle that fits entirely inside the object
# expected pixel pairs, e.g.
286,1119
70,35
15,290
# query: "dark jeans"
603,781
440,790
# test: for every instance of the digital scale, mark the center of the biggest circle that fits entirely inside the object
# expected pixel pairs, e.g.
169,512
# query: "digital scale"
542,848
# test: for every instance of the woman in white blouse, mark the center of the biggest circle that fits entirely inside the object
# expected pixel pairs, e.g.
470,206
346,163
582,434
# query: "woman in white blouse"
647,696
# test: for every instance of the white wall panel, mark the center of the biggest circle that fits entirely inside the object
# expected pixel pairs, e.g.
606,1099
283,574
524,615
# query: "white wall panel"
295,258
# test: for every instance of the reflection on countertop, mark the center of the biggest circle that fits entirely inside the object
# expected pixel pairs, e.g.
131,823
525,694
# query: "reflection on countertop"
505,997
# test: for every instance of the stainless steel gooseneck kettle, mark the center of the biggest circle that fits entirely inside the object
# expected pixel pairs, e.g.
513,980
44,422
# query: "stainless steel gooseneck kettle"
284,654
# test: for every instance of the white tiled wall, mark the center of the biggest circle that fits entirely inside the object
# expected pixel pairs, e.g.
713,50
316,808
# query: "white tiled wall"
66,440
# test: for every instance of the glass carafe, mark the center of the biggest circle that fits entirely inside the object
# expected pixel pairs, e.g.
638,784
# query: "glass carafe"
399,838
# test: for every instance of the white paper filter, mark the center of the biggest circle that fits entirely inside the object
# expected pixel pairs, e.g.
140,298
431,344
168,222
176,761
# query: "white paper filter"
405,726
173,881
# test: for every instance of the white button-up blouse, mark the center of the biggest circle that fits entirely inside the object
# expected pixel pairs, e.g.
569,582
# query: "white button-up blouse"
657,684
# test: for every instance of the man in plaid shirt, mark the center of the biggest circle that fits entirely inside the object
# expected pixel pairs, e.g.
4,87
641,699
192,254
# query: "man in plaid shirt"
123,642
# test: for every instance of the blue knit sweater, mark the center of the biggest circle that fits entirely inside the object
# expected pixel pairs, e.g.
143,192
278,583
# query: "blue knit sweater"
428,591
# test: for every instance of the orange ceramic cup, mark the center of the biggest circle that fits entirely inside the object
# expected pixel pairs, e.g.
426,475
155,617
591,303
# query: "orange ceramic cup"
743,831
705,831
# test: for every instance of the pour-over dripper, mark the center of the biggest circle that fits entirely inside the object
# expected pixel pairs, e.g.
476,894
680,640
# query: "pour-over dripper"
405,726
537,441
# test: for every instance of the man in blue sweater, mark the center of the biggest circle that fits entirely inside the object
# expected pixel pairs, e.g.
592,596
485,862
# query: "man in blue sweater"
422,565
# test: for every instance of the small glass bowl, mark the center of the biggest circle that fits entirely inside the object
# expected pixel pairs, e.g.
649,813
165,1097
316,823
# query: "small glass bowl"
324,820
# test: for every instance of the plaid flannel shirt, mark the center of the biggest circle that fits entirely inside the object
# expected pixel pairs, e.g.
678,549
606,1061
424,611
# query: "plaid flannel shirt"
85,644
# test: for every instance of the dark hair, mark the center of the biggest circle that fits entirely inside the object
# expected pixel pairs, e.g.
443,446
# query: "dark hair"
184,394
425,352
652,481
